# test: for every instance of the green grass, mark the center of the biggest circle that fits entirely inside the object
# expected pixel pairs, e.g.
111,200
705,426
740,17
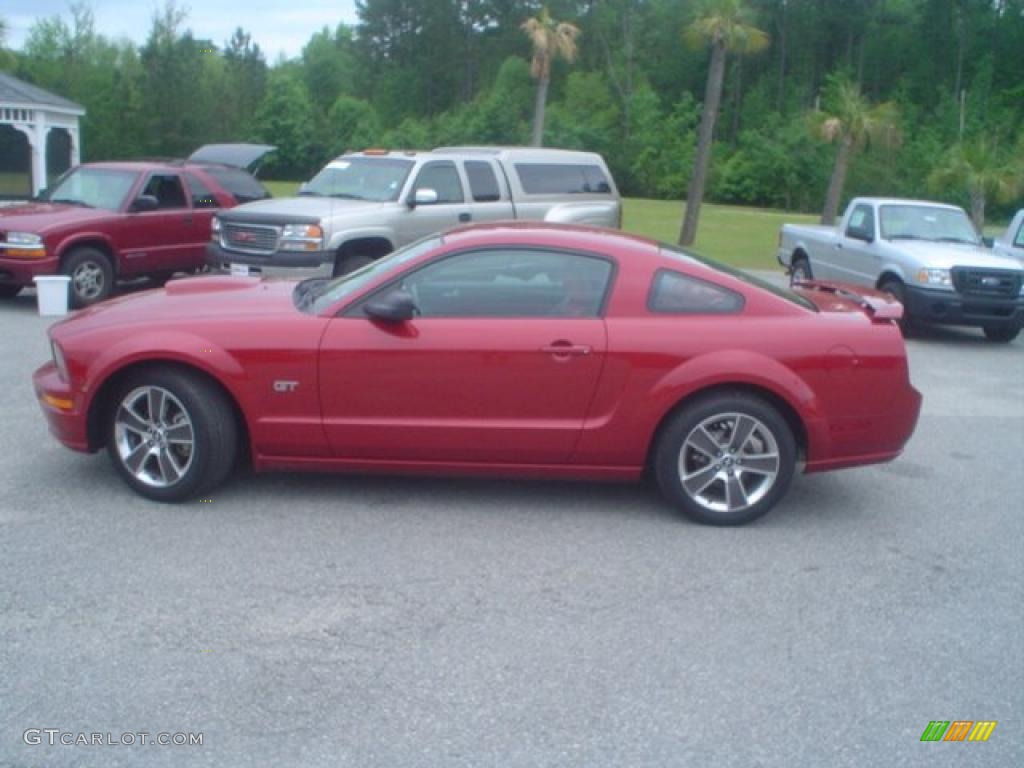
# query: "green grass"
742,237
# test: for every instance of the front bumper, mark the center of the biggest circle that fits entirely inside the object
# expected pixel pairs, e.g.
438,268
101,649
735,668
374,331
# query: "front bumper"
952,308
64,410
21,271
277,264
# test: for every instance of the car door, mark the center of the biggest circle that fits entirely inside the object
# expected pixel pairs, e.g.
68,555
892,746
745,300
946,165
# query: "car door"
450,209
489,191
857,258
498,367
167,238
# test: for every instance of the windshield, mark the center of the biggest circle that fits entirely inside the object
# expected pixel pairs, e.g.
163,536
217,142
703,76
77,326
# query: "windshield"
925,222
782,293
93,187
379,179
315,296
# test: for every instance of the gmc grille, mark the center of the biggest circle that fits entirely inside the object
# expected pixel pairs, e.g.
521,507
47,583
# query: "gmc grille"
986,282
250,238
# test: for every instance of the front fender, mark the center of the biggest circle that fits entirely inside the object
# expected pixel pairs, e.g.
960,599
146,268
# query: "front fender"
338,239
181,347
67,242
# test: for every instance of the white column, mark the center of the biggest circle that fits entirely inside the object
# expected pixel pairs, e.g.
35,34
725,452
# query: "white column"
76,152
39,156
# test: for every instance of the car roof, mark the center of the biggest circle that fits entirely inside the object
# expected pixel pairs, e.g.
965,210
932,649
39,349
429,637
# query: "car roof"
905,201
147,165
569,236
512,154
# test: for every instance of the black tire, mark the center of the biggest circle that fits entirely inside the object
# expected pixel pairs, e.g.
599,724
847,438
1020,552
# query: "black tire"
9,291
1003,333
895,288
800,269
213,431
712,503
92,276
344,264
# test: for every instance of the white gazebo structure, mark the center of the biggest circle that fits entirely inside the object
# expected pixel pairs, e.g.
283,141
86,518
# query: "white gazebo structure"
35,113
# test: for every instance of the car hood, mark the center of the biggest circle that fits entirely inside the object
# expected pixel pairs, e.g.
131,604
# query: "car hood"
949,255
306,207
41,216
185,303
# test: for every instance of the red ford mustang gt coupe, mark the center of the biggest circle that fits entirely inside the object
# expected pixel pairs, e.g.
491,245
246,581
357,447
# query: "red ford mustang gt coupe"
512,349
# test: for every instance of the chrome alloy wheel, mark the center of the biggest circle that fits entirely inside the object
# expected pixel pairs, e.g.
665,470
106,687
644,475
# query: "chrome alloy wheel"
154,436
729,462
89,280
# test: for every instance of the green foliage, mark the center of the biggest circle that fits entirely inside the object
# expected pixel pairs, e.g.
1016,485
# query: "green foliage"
286,120
412,73
352,125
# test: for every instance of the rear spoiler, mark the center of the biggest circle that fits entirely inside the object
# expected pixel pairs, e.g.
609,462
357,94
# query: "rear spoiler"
877,305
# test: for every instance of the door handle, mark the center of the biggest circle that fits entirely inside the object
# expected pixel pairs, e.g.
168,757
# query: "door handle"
565,349
464,217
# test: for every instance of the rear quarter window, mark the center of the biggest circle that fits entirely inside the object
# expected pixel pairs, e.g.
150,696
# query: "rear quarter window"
240,184
562,179
674,293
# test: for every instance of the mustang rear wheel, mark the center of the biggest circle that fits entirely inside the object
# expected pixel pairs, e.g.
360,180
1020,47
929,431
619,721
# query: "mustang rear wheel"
172,435
726,459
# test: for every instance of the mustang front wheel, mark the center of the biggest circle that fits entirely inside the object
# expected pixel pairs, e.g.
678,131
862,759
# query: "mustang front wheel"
726,459
172,435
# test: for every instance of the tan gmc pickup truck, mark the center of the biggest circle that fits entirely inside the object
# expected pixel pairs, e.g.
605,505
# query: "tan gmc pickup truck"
363,205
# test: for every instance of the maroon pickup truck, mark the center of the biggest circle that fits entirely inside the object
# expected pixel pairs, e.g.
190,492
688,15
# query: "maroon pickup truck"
101,222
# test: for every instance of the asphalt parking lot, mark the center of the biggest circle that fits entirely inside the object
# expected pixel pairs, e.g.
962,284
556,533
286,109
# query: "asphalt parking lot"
335,621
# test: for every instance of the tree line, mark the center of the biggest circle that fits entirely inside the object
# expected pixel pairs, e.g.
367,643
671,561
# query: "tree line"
896,97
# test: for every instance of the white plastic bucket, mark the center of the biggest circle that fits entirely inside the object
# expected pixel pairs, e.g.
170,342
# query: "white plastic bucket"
52,293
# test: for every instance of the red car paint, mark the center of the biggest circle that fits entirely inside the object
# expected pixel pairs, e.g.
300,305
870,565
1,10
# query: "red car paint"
137,243
457,395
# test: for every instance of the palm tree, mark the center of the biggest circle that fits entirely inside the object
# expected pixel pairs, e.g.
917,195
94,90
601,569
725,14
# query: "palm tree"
979,167
724,26
551,40
850,121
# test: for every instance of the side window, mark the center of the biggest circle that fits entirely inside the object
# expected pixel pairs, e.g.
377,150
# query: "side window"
862,222
202,195
675,293
562,179
167,189
511,282
443,179
483,184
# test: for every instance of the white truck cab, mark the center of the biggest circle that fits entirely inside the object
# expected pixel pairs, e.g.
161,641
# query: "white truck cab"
928,255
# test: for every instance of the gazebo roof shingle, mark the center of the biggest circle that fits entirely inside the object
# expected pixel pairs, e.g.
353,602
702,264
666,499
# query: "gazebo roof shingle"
15,91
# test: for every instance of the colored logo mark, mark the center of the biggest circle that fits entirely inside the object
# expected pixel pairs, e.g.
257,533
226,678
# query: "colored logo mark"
959,730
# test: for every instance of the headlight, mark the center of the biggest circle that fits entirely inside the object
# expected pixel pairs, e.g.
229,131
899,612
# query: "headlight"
58,360
301,237
934,277
24,238
23,245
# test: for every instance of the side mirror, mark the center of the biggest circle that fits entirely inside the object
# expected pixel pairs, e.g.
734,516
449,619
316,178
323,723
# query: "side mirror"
144,203
988,242
394,307
423,196
857,233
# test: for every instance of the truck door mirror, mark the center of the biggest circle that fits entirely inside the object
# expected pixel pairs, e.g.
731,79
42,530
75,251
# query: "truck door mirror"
144,203
423,196
860,233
